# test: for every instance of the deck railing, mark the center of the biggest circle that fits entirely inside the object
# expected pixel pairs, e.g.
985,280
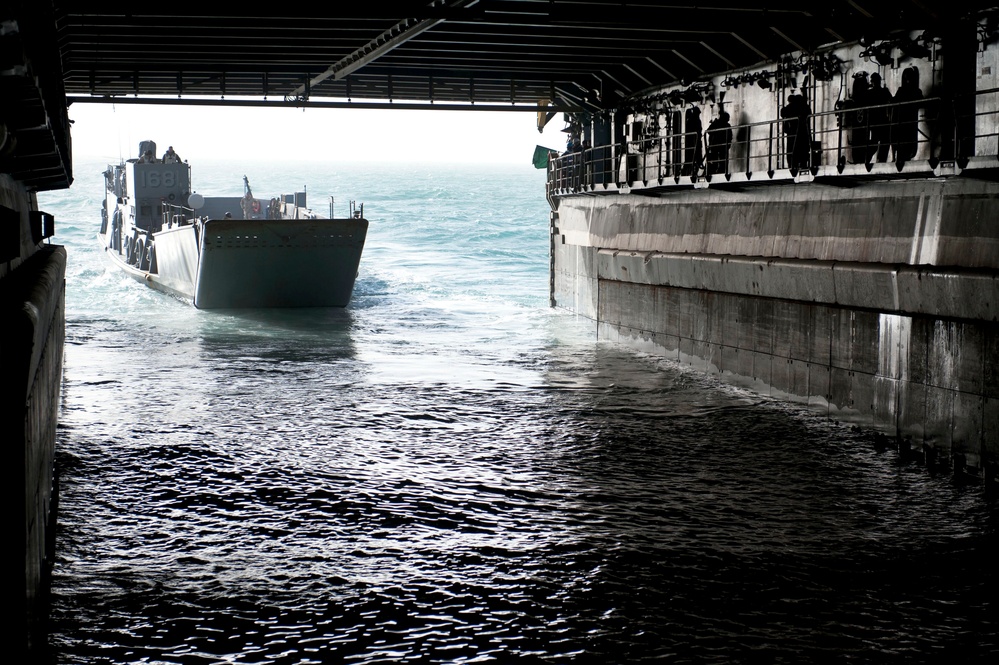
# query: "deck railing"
175,215
849,140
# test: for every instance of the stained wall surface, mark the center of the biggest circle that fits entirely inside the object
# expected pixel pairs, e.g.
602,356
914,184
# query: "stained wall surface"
875,304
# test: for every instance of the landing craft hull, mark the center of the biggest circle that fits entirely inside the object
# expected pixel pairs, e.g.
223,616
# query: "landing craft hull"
284,263
151,280
255,264
226,252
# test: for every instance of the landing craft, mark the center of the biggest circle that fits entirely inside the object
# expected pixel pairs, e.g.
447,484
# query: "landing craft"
225,252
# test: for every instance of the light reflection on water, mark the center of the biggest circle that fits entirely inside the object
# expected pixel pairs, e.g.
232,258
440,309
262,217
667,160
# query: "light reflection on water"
448,471
257,491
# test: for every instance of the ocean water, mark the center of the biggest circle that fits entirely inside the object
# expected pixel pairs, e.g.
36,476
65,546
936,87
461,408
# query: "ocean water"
450,471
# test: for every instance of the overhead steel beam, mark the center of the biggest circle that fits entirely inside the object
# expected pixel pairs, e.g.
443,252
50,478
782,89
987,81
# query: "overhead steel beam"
559,105
374,52
397,35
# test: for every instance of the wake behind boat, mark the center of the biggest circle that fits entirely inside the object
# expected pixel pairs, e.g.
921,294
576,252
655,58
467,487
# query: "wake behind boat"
225,251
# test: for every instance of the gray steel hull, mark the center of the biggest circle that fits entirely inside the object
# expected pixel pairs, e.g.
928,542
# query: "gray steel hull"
280,263
236,264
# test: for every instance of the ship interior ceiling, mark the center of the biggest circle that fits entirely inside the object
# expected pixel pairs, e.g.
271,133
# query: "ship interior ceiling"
530,55
545,56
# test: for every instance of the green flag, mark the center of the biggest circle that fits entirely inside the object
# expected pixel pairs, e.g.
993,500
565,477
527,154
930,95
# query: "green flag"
541,157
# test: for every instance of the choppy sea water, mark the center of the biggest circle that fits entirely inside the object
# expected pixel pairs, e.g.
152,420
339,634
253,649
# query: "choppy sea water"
449,471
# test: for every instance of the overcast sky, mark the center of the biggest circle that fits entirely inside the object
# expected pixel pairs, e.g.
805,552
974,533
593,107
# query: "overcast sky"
113,131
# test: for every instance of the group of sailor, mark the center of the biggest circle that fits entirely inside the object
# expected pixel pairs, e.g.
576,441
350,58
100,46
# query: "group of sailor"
169,157
251,208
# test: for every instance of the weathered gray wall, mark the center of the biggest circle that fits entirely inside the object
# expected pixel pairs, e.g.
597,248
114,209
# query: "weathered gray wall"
928,381
926,221
877,304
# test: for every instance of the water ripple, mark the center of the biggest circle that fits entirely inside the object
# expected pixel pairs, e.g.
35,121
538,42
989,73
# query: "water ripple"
450,472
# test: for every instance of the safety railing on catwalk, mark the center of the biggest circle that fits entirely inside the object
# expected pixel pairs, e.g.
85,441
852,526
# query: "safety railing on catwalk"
901,139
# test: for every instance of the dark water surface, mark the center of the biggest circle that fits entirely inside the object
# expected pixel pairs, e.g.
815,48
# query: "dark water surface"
449,471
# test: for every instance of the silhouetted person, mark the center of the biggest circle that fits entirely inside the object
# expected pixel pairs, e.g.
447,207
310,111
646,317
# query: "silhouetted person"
857,120
692,152
568,163
905,117
719,143
674,143
799,135
877,118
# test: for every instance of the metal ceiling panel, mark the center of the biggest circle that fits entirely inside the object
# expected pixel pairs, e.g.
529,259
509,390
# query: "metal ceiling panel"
530,55
585,53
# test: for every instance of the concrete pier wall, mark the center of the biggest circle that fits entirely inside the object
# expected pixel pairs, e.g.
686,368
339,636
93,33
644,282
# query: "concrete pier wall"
922,221
876,304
